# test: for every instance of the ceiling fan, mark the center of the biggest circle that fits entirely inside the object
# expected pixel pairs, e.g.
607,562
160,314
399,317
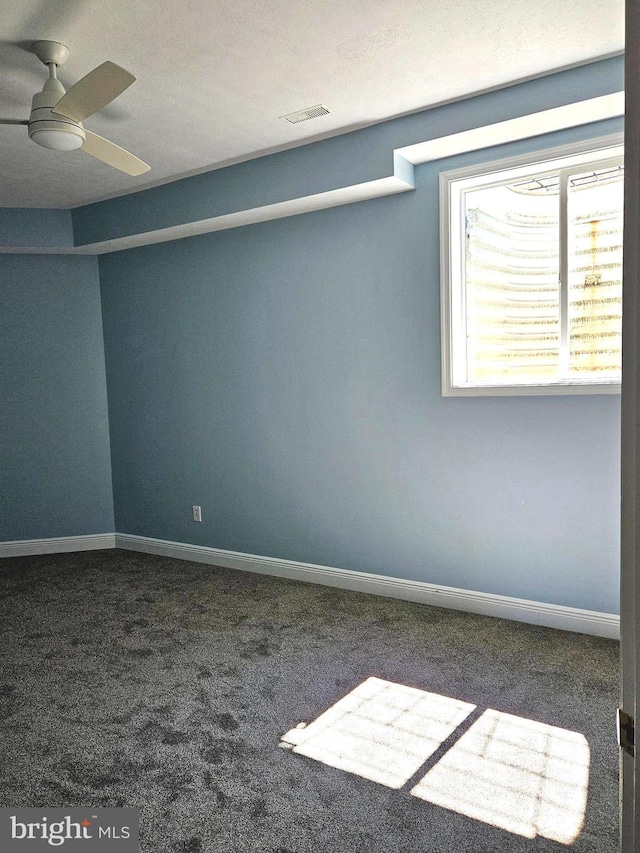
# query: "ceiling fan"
56,116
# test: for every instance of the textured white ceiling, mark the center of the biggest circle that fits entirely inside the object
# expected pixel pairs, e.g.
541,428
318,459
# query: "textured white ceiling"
214,77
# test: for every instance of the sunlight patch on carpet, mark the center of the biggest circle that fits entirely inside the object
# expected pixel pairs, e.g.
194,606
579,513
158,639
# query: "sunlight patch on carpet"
381,731
519,775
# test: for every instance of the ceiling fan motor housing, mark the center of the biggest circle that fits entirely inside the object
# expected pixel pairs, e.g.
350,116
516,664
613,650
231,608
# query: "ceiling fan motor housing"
50,130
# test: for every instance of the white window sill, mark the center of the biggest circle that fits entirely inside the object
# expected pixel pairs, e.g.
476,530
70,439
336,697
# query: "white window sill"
530,390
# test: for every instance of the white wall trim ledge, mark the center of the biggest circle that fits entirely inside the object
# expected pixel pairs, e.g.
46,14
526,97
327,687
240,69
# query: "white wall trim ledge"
518,609
57,545
278,210
402,180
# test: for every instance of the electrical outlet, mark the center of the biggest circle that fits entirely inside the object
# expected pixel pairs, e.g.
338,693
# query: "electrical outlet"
197,513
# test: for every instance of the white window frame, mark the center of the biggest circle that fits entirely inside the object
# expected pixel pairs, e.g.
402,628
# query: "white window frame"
452,277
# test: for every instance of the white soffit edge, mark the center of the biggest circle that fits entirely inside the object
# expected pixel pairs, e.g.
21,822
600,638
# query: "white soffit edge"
278,210
512,130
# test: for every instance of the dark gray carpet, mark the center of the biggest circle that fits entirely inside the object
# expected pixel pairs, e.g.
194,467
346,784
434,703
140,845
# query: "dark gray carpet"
135,680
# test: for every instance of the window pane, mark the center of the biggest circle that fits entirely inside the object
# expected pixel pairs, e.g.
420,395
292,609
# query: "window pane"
595,205
511,282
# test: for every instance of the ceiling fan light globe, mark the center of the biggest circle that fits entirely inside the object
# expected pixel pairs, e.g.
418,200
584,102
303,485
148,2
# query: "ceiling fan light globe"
57,140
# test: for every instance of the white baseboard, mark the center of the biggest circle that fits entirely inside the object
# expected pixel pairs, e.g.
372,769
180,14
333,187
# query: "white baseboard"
518,609
486,604
58,545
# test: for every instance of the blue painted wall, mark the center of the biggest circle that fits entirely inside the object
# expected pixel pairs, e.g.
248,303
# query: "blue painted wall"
286,377
55,471
33,227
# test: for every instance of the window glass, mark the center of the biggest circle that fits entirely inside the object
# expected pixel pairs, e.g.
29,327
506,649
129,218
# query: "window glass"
512,293
532,274
594,209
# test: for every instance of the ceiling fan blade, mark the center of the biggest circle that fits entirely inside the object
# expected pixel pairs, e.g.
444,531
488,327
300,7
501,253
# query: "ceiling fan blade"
94,91
113,155
13,121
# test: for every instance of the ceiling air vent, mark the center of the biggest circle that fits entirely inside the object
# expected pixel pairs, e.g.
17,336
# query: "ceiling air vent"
305,115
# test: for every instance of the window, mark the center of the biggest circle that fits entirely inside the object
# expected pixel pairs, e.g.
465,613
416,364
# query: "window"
532,273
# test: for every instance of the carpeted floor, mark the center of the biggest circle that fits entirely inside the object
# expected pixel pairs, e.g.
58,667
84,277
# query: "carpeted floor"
128,679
